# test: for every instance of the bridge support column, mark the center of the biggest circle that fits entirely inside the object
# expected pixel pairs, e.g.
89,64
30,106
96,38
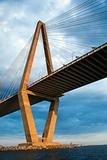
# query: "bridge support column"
28,121
51,121
24,103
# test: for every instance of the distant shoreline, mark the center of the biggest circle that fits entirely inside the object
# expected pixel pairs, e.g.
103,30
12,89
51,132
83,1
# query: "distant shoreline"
25,147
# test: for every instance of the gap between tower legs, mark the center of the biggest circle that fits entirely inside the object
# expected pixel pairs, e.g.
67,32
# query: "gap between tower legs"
29,124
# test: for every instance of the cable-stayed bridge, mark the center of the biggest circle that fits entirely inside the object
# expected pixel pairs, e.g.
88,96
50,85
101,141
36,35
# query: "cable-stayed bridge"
85,69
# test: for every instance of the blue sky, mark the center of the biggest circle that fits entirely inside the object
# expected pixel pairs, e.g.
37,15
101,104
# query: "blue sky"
82,116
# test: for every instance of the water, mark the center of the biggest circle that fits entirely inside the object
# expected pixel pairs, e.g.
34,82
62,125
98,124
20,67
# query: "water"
82,153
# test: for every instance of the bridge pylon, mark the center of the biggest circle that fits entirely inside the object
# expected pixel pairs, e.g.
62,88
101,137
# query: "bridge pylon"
23,94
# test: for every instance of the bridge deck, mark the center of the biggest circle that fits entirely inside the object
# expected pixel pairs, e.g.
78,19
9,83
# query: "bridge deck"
84,70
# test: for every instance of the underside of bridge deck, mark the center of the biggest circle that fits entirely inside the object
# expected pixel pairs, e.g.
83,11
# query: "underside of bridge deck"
89,68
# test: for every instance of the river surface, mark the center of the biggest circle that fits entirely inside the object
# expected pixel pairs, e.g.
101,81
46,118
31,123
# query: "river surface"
83,153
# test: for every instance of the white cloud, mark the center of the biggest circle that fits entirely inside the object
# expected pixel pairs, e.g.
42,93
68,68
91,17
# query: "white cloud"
18,24
61,4
84,139
81,139
11,140
4,26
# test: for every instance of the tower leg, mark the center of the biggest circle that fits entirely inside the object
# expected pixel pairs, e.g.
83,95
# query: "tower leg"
51,122
28,121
